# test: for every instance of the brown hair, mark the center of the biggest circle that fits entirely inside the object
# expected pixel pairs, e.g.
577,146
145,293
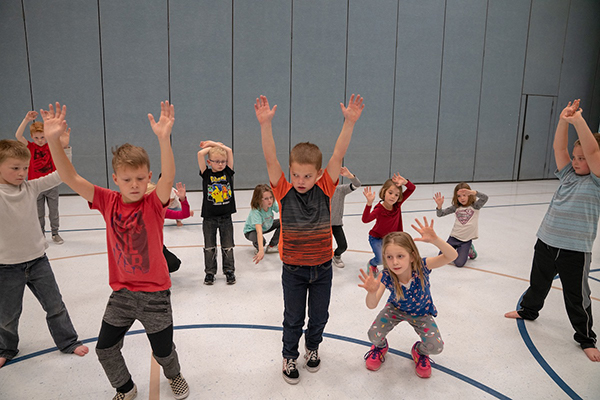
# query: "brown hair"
306,153
259,190
455,202
36,126
386,185
13,149
129,156
405,241
596,136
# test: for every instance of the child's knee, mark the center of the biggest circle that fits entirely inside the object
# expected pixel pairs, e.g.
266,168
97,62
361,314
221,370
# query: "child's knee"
433,347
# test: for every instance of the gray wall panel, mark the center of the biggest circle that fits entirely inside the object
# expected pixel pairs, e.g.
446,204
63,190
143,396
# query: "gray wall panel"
64,50
14,79
503,65
418,72
135,67
371,62
318,72
262,52
460,91
547,28
200,80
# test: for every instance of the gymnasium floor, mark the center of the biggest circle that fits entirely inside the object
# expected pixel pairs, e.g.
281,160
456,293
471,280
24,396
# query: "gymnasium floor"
229,337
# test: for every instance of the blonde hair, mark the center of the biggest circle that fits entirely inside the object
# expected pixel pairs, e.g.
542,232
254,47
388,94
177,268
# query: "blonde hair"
405,241
130,156
259,190
151,186
217,150
13,149
306,153
455,202
386,185
596,136
36,126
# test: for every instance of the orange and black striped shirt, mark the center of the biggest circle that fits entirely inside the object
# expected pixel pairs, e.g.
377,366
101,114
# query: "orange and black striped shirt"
305,222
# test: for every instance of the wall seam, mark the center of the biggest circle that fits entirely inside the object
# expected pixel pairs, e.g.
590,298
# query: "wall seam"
102,95
487,14
27,54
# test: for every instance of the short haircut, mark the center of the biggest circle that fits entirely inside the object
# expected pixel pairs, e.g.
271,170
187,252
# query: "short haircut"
596,136
130,156
217,150
306,153
386,185
405,241
13,149
36,126
259,190
455,202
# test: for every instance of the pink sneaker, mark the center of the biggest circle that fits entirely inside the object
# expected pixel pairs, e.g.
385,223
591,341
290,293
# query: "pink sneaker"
375,357
423,366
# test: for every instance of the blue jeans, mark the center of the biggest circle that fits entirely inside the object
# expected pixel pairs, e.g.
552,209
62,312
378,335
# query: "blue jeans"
300,282
376,246
38,276
224,225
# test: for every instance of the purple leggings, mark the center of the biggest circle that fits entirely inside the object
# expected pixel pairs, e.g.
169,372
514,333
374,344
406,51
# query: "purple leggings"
462,248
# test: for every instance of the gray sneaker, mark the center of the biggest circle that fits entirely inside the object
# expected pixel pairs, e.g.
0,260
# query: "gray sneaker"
57,239
337,262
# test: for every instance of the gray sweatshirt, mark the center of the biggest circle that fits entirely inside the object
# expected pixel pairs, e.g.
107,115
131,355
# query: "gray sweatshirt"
337,200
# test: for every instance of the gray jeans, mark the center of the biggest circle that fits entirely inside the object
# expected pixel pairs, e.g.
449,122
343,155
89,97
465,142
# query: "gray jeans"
38,276
49,196
153,310
425,326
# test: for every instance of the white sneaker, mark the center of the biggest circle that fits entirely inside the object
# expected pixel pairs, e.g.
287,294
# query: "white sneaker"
337,261
272,249
127,396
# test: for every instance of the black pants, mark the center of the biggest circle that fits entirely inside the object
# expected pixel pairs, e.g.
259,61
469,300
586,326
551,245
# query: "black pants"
172,260
340,239
573,268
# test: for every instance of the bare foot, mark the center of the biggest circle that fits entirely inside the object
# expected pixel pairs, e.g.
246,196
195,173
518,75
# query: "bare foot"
2,361
592,353
191,213
179,223
513,314
81,350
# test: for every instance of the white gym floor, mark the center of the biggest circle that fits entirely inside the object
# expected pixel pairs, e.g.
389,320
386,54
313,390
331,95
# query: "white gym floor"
229,337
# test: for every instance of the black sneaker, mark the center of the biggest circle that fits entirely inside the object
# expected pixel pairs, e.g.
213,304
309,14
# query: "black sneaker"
290,371
230,278
209,279
313,362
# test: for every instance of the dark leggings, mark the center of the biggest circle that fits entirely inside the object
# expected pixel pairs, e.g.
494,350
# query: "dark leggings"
340,239
462,248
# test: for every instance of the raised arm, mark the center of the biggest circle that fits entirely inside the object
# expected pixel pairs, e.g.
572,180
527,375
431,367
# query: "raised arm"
30,116
201,158
561,136
211,143
55,126
589,145
264,115
162,130
351,115
428,235
373,286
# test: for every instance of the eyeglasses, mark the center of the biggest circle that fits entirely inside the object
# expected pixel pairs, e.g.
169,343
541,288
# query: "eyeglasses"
219,162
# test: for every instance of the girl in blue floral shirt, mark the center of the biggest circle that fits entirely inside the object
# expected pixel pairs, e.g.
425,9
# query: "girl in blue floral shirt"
406,276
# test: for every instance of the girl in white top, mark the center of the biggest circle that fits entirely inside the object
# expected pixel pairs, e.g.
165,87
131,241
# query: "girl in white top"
466,204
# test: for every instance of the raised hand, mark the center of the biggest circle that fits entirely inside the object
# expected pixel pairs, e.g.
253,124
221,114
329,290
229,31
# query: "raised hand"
345,172
163,127
369,281
210,143
354,109
31,115
399,180
264,114
570,109
54,121
369,195
180,190
65,138
426,231
439,199
467,192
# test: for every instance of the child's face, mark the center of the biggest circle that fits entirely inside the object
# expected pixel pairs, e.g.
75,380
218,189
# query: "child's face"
13,171
391,195
132,182
463,198
579,163
217,162
267,200
398,261
304,176
39,138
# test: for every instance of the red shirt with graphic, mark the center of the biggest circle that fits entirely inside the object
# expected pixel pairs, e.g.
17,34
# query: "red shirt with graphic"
41,163
134,237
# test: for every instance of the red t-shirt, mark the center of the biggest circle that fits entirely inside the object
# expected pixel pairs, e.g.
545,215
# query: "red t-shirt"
41,163
387,220
134,237
305,222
